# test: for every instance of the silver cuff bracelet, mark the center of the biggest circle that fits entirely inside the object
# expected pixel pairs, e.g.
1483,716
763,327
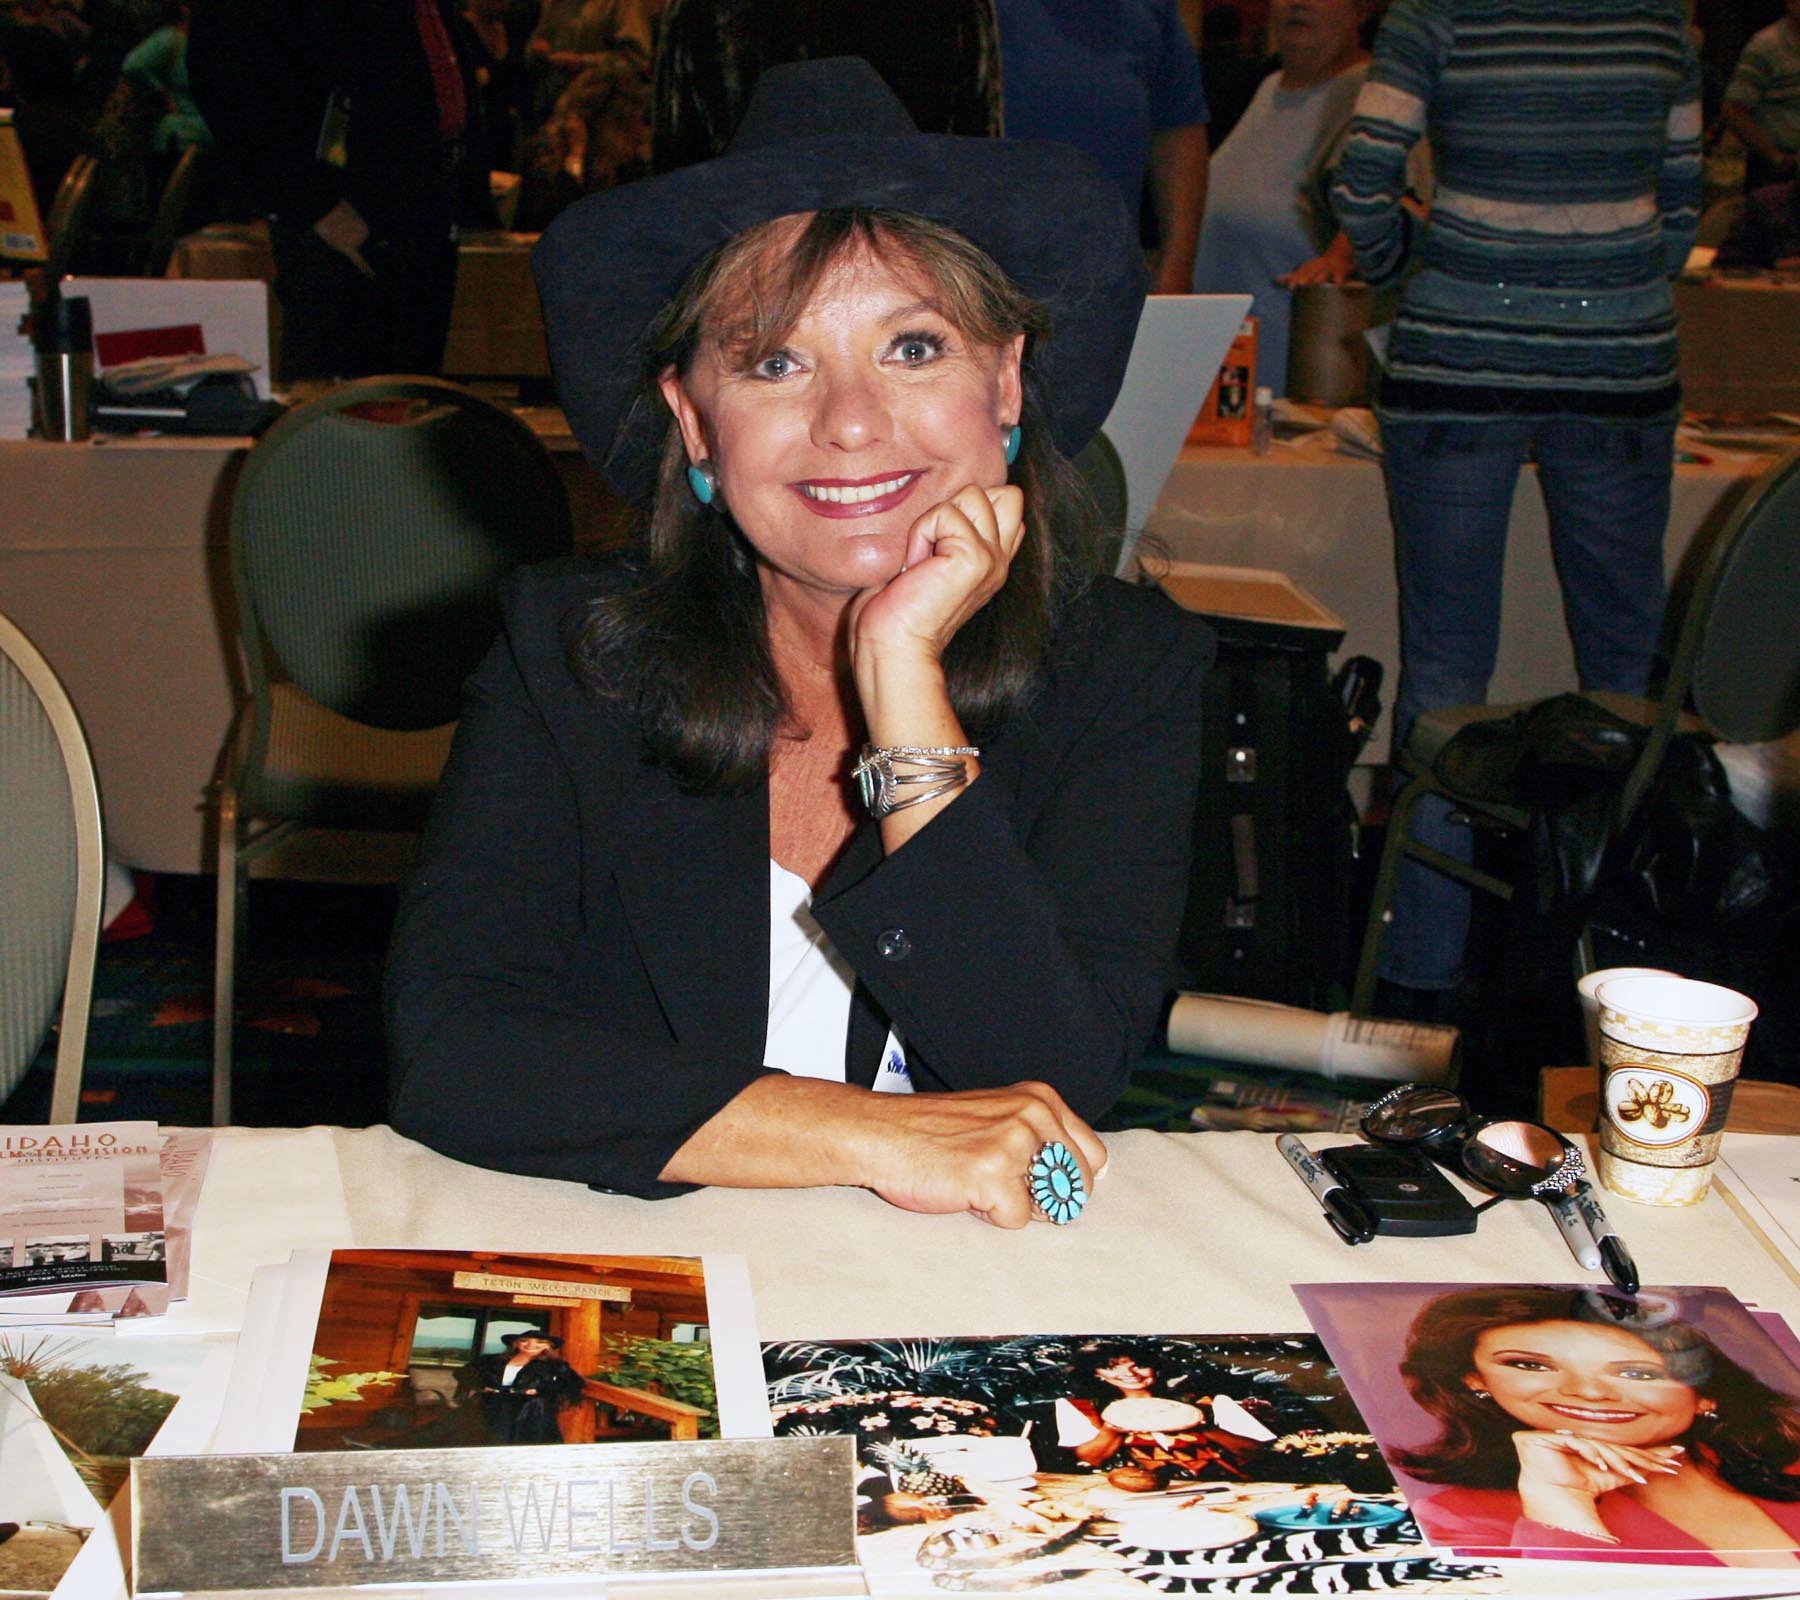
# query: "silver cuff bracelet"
940,768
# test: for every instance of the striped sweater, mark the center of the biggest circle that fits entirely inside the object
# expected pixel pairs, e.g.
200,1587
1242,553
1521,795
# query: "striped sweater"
1566,140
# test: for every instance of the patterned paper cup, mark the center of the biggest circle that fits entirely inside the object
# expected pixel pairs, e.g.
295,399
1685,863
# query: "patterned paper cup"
1669,1054
1588,988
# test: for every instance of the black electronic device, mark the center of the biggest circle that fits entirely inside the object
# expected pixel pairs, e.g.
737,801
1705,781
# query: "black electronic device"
219,403
1404,1193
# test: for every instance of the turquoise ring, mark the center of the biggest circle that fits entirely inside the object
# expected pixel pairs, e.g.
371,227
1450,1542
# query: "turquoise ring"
1054,1179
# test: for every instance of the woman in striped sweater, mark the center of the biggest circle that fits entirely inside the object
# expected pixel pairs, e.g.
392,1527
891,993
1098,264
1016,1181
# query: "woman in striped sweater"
1537,320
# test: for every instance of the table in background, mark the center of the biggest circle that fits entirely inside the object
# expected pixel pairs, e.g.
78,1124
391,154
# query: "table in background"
1187,1234
1740,342
1320,515
496,326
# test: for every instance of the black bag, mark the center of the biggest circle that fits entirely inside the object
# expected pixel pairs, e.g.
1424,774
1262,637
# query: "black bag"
1268,908
1688,855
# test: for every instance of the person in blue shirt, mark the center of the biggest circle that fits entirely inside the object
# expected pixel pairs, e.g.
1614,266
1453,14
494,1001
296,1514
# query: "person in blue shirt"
1120,80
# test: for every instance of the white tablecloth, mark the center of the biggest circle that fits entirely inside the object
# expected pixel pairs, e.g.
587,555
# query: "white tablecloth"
1189,1233
1193,1233
1320,516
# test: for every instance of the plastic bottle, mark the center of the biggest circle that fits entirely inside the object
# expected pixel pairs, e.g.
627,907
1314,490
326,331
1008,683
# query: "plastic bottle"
1262,422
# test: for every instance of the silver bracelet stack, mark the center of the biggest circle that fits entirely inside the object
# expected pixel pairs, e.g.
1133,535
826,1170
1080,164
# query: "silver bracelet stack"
940,767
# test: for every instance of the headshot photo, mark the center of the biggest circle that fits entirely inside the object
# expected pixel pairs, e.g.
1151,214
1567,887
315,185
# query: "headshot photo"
1577,1421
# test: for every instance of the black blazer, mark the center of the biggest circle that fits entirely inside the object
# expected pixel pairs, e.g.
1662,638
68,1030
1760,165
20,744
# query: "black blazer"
580,969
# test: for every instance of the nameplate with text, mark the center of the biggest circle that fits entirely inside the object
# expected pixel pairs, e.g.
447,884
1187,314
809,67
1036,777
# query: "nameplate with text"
331,1519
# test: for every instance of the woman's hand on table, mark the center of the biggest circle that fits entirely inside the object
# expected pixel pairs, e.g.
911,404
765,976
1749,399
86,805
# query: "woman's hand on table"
971,1150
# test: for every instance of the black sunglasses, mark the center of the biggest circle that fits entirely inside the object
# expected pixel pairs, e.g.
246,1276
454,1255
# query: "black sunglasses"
1509,1158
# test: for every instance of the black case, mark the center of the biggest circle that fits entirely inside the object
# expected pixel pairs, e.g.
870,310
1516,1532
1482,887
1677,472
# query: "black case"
1274,830
1405,1194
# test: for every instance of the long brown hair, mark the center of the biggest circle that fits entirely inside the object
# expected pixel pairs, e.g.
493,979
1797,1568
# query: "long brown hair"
1751,1444
684,643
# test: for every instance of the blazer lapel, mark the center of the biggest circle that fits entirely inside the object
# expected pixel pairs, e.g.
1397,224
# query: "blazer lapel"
693,877
868,1031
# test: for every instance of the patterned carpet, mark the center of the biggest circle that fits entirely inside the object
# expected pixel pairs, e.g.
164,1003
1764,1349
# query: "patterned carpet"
308,1046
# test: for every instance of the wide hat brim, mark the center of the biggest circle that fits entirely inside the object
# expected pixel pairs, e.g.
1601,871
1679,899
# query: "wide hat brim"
511,1339
1047,215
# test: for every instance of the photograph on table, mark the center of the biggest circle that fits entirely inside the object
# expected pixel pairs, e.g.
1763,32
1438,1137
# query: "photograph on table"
439,1349
1135,1464
74,1410
1574,1422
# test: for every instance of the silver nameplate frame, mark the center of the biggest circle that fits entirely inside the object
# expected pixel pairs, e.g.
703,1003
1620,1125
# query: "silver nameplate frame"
221,1524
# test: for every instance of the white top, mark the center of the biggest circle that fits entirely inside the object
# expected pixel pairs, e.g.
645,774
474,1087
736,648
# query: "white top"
1266,211
810,986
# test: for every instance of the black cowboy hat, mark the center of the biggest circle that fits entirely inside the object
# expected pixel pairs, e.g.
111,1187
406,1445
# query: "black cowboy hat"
821,135
511,1339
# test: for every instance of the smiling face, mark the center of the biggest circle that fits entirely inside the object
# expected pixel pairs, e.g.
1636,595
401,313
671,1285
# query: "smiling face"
1124,1373
530,1347
873,407
1584,1378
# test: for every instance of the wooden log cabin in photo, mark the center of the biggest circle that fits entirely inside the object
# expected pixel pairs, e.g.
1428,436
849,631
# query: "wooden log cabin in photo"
417,1320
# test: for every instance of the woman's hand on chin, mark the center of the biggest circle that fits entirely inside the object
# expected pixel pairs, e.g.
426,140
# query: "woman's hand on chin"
1562,1475
957,557
970,1151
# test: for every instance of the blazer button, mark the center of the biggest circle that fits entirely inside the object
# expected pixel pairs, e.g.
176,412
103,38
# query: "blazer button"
893,944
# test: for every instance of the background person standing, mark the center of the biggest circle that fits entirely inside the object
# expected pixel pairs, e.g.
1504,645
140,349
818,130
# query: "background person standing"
354,124
1537,319
1119,80
1762,101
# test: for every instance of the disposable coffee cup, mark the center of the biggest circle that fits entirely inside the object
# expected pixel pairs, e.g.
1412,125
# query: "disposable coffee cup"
1669,1054
1588,988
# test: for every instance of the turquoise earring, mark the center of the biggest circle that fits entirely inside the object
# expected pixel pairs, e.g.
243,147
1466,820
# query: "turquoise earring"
1013,441
705,482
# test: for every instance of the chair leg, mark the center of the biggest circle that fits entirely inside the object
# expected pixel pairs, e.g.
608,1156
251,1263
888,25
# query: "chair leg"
228,925
1381,904
1584,951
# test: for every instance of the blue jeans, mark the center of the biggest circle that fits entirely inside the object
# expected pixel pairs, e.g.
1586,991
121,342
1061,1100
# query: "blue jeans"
1450,491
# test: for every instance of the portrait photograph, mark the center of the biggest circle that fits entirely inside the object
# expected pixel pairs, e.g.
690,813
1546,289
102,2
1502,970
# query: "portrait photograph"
1574,1421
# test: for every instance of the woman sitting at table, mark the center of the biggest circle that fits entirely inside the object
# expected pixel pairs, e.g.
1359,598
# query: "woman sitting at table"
655,938
1574,1420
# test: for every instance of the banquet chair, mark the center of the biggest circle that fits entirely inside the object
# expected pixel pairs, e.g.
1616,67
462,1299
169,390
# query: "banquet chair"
171,212
51,873
1103,473
370,530
1737,658
68,216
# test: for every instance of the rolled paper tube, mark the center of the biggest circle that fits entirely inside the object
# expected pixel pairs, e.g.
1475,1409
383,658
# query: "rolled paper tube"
1259,1032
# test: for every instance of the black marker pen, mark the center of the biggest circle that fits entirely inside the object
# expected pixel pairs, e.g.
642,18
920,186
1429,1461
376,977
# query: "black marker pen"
1343,1210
